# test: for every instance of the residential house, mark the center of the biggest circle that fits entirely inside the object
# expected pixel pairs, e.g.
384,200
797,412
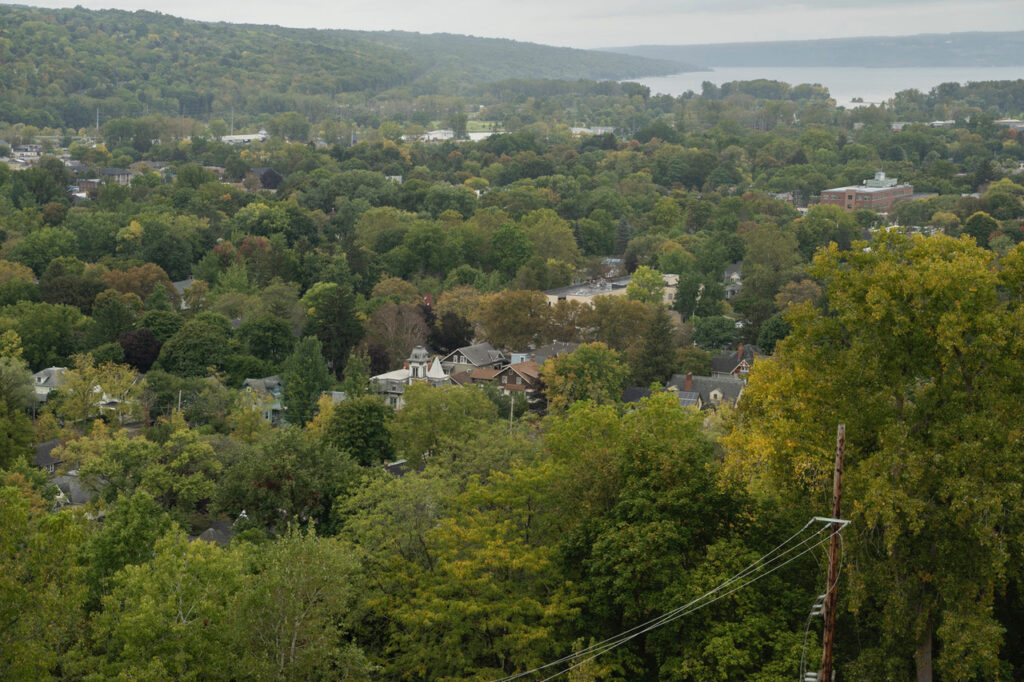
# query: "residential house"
72,490
540,355
46,381
266,395
735,363
634,394
121,176
44,458
521,378
419,367
712,391
468,358
733,280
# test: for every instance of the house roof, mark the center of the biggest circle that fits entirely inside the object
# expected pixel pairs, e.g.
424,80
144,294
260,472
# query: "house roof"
730,387
553,349
727,361
478,354
461,378
74,489
219,532
51,377
436,371
269,384
634,394
43,457
483,373
396,469
419,354
529,369
393,375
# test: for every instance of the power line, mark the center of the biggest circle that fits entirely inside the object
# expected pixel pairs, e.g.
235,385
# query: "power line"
760,564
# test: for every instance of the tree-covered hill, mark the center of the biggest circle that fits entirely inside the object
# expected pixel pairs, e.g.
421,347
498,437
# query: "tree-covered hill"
58,67
945,49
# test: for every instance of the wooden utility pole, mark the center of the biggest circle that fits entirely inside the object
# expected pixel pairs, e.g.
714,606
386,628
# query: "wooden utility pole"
833,560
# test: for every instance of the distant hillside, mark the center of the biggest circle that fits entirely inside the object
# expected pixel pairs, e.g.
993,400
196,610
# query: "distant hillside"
57,67
950,49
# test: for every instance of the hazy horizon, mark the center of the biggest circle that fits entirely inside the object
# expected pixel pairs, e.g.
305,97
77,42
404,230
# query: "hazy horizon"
606,24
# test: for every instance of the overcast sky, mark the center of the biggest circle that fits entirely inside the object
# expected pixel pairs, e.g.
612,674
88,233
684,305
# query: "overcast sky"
606,23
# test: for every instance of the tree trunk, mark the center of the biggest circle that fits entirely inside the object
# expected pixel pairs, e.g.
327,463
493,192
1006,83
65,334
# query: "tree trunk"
923,655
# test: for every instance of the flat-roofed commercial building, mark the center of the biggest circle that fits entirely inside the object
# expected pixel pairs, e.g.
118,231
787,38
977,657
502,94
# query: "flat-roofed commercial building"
877,194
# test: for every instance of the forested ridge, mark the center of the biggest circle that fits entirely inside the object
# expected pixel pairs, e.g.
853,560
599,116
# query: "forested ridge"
57,67
200,534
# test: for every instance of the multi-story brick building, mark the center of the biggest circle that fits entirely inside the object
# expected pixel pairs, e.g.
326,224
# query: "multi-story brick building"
877,194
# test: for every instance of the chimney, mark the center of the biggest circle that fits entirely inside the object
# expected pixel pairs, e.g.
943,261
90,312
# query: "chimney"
689,381
739,354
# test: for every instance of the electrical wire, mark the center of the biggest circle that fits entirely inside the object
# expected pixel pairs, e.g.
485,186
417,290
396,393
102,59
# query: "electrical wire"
689,611
739,576
810,617
760,564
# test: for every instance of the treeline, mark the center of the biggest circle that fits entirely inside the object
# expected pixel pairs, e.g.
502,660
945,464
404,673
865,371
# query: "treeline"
61,67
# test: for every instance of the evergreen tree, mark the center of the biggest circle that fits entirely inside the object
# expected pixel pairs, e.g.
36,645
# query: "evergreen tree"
656,359
305,377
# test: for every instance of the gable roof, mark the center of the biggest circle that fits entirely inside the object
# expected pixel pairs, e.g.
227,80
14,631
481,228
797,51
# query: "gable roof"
483,373
51,377
730,387
530,369
269,384
553,349
44,457
478,354
727,361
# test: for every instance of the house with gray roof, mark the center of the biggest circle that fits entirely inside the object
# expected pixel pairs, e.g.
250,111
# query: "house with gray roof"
44,458
712,391
419,367
266,394
469,358
735,363
45,381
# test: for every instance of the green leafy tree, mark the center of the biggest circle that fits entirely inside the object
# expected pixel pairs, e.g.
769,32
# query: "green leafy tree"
267,337
646,285
981,226
169,617
616,321
433,420
359,426
591,372
331,317
305,377
180,474
130,528
913,337
294,613
714,333
199,348
515,318
41,588
285,478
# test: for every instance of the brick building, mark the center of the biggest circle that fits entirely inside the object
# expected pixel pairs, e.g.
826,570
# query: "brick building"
877,194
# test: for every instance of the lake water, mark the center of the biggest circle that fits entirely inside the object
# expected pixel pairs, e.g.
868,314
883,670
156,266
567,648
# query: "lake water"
873,85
